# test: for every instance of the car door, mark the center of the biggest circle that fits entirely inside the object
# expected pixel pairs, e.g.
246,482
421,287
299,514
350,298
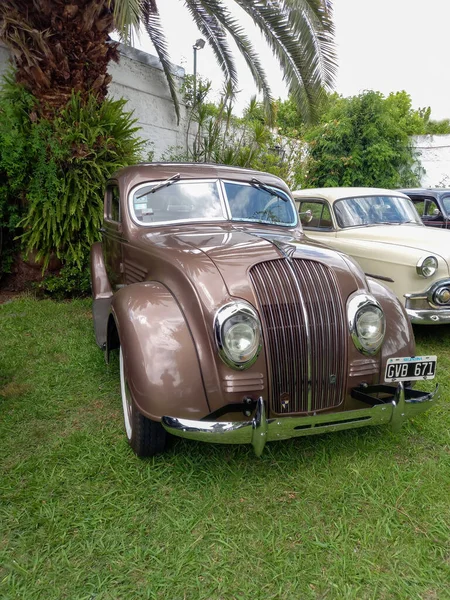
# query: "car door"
315,216
112,236
429,211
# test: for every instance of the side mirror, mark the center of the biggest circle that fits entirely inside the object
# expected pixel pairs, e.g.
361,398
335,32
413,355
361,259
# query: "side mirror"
436,212
306,217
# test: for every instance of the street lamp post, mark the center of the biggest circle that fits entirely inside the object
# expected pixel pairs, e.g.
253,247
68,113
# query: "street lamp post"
199,44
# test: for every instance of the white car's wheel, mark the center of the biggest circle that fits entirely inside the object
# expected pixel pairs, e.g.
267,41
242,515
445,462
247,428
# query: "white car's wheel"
146,437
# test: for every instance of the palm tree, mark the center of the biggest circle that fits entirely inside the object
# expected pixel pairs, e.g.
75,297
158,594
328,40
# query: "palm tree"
64,45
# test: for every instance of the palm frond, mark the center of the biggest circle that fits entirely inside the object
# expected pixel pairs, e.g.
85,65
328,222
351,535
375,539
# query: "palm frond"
295,43
127,16
313,18
152,24
247,50
211,28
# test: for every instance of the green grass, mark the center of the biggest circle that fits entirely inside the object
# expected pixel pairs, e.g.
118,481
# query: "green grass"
354,515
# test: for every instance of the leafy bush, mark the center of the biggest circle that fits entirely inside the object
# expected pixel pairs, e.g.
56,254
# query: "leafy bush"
72,281
221,137
363,141
52,173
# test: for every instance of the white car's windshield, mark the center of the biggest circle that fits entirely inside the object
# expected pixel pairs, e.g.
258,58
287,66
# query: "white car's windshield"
181,201
375,210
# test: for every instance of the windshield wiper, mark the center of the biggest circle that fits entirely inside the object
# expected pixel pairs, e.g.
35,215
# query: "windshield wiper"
259,184
161,185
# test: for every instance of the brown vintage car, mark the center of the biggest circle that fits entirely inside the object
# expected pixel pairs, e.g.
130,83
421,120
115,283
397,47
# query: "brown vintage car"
232,326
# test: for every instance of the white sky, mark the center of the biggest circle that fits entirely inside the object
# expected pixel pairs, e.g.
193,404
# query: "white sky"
384,45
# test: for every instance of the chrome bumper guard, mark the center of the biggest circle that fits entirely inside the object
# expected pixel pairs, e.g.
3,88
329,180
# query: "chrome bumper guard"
429,316
402,405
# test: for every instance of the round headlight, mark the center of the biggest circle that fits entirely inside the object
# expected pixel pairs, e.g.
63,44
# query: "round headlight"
238,334
367,323
426,267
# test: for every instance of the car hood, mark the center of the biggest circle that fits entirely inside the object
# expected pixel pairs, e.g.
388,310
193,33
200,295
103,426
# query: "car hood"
424,239
235,250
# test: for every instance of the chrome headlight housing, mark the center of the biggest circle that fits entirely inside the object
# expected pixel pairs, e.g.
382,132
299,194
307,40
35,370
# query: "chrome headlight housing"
237,331
367,323
427,266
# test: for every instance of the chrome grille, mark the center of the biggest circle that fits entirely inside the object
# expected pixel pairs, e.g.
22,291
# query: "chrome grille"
305,334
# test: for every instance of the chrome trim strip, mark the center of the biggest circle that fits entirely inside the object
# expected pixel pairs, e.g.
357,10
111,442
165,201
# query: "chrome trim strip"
429,316
307,330
429,292
380,277
261,430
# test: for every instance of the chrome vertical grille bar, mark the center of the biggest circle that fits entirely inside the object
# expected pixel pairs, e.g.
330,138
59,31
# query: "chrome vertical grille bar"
305,334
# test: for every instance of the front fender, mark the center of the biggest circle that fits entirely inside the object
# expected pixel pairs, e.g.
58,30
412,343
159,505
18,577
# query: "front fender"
160,359
399,339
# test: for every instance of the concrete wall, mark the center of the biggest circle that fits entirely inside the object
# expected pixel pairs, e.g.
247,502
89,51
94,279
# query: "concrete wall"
140,79
4,59
435,159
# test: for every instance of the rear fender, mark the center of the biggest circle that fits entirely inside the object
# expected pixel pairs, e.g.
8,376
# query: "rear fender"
101,293
160,359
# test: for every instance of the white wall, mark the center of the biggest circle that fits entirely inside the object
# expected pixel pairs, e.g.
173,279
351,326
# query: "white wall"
139,79
434,153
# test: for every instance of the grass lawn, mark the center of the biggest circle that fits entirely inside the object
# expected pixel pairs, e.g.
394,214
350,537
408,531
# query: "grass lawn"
351,515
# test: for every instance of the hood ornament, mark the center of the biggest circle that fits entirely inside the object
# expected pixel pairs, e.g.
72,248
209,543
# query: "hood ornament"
286,249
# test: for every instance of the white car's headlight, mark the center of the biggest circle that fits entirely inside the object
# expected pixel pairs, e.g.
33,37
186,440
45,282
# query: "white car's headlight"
427,266
367,323
238,334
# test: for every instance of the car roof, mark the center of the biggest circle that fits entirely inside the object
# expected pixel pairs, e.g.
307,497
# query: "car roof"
163,170
433,192
337,193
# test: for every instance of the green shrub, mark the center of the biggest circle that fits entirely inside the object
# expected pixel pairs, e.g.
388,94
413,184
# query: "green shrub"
363,141
73,281
52,173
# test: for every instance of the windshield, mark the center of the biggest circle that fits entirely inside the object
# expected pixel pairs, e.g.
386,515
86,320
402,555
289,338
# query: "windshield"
375,210
181,201
249,203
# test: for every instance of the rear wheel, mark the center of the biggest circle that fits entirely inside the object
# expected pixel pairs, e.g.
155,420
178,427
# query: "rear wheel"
146,437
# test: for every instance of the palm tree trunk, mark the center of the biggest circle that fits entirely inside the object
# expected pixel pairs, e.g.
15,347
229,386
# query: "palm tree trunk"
59,47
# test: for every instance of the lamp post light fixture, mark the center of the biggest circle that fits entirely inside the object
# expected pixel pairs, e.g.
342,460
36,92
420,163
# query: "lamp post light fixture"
199,44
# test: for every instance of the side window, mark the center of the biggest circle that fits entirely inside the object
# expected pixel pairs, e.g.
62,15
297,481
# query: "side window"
321,218
113,203
430,208
426,207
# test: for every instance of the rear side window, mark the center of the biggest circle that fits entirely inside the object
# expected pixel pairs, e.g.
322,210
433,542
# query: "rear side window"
113,203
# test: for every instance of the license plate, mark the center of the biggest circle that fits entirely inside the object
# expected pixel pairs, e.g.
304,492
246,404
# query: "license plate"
409,368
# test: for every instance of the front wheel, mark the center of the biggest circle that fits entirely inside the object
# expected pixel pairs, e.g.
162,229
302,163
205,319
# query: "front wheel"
146,437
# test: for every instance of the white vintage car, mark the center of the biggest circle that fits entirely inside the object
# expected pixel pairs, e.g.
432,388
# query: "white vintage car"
383,232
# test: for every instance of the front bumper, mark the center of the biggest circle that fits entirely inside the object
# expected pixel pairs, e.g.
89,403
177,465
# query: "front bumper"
429,316
404,404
